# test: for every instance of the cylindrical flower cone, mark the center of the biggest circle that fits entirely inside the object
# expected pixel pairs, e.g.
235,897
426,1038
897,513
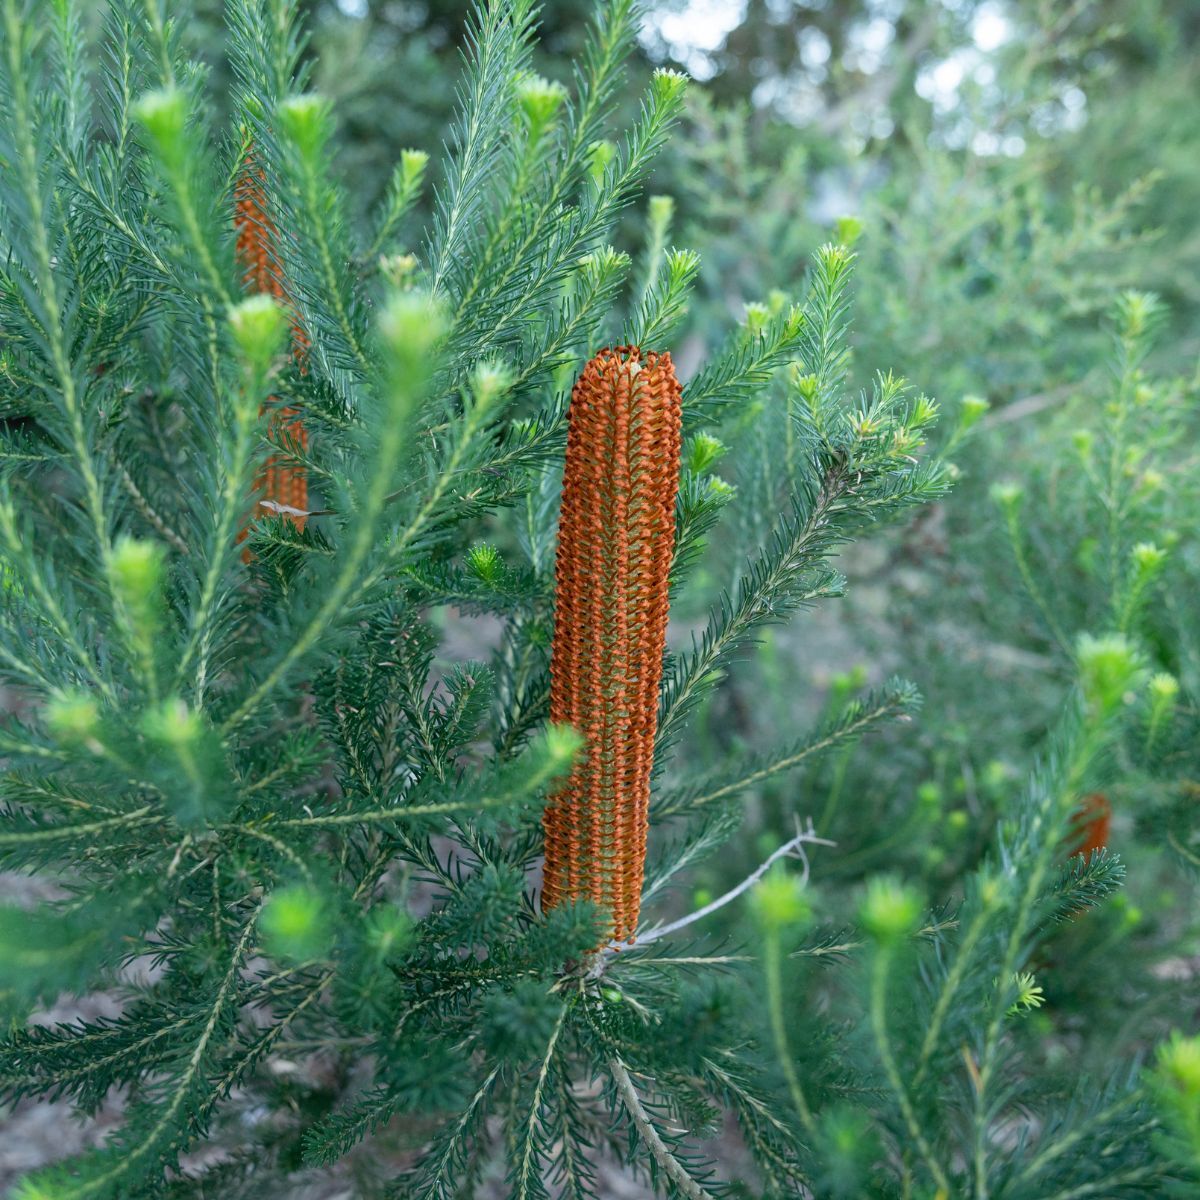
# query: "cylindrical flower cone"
281,487
616,539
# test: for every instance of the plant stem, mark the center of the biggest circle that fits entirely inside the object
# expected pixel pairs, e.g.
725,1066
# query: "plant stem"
672,1167
772,968
883,1043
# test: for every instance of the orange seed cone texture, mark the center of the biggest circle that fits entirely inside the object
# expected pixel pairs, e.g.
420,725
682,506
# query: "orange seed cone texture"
279,482
616,538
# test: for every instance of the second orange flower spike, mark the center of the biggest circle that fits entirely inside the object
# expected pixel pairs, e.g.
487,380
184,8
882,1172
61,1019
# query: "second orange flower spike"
280,483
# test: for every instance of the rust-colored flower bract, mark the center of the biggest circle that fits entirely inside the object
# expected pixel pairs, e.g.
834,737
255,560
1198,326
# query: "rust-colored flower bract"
616,536
280,482
1091,825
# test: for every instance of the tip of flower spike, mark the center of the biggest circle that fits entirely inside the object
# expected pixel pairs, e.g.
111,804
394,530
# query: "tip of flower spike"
757,316
601,264
804,383
682,263
1136,312
1029,994
835,258
490,380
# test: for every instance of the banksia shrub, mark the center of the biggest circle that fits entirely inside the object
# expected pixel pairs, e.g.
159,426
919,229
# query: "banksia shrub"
286,815
616,536
282,486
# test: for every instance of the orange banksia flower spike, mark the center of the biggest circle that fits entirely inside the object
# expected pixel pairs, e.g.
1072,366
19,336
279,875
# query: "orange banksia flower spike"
280,483
1091,825
616,538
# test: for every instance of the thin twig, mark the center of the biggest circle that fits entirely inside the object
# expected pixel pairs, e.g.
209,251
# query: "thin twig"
530,1159
793,848
150,512
672,1167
